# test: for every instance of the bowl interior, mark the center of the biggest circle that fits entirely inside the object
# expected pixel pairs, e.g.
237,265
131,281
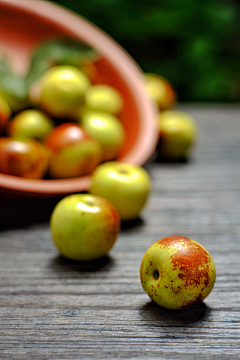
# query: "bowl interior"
25,24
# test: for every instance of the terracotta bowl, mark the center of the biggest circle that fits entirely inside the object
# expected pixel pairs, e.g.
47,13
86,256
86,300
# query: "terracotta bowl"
26,23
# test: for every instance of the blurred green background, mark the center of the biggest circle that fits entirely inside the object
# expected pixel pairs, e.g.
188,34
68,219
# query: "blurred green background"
195,44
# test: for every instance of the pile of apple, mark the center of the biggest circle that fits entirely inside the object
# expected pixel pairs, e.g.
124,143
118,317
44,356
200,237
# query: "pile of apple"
176,272
70,129
73,129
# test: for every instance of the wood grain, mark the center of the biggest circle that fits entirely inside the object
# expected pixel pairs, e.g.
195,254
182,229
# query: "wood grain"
53,308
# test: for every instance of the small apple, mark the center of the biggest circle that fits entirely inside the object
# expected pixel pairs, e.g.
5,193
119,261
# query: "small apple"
178,134
60,91
23,157
73,152
31,123
84,227
126,186
105,98
107,129
160,91
177,272
5,113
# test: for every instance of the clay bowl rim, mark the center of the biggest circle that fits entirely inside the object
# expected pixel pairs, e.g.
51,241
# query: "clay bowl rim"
128,70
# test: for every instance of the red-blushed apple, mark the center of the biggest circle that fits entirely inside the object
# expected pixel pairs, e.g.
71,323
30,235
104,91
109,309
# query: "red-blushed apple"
60,91
105,98
177,272
31,123
160,91
26,158
73,152
107,129
126,186
178,134
84,227
5,113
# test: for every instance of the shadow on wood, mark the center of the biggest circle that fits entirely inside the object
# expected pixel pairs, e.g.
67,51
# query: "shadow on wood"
151,312
20,211
131,224
61,264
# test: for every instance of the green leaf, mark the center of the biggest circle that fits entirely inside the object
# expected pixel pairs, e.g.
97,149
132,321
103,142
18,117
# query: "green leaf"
12,87
61,51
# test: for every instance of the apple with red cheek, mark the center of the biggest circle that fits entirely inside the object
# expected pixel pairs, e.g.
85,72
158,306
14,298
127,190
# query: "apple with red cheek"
126,186
84,227
5,113
26,158
160,91
73,152
178,134
177,272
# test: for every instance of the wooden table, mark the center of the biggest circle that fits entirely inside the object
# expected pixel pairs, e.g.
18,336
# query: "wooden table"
52,308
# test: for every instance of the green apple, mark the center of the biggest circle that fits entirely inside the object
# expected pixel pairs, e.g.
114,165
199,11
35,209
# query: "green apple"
107,129
5,113
126,186
177,272
178,134
103,98
160,91
84,227
73,152
60,91
31,123
23,157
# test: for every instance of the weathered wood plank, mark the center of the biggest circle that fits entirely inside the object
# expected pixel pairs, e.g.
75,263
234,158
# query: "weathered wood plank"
53,308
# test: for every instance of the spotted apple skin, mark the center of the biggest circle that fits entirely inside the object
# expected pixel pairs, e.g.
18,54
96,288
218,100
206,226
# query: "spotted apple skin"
177,272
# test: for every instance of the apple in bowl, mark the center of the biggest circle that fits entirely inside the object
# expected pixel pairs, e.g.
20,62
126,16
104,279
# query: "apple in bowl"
25,158
5,113
107,129
73,152
31,123
60,91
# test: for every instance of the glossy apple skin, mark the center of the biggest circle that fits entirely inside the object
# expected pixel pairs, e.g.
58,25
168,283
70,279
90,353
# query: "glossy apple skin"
84,227
105,98
160,91
26,158
126,186
107,129
73,152
178,134
5,113
60,91
31,123
177,272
